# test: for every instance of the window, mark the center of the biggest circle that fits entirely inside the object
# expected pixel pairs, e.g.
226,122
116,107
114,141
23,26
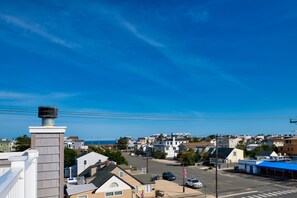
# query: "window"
118,192
148,188
108,194
85,162
111,194
121,174
234,153
82,196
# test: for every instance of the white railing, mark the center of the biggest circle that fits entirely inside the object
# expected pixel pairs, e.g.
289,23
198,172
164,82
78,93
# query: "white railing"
19,177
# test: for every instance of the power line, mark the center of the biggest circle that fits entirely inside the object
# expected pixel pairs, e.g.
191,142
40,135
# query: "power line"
131,116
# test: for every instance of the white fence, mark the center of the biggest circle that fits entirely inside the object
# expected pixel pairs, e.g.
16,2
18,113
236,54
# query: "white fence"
18,178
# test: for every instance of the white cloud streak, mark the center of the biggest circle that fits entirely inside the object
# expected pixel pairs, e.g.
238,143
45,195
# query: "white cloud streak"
185,62
139,35
35,29
28,99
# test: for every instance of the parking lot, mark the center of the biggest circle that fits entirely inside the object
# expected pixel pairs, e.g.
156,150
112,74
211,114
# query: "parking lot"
228,182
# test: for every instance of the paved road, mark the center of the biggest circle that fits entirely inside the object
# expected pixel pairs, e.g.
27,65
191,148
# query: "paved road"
229,184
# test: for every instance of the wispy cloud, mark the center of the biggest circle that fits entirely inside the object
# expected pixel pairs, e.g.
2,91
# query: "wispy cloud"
198,16
131,28
185,62
35,29
27,99
14,95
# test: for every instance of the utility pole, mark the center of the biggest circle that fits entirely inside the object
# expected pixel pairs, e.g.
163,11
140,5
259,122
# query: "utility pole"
217,153
184,175
147,156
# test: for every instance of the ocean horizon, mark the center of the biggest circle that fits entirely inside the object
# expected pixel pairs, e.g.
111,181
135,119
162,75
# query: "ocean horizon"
99,142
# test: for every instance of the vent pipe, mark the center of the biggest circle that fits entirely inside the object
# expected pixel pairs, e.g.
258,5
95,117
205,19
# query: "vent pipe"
48,114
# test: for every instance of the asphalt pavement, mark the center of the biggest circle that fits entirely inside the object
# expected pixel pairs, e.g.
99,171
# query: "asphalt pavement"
230,184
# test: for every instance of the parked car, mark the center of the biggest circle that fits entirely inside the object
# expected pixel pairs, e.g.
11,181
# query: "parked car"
194,183
168,176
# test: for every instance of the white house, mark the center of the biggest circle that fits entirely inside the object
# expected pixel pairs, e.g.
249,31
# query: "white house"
226,142
86,160
169,145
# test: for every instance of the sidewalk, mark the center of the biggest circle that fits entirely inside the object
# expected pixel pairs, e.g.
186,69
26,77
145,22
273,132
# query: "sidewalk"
172,189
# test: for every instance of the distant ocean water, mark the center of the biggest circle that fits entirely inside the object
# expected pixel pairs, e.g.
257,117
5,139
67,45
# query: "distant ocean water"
99,142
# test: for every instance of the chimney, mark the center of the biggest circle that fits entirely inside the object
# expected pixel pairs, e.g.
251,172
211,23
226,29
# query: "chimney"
49,141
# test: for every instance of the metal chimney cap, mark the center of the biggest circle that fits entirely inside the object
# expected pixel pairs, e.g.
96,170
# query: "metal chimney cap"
47,112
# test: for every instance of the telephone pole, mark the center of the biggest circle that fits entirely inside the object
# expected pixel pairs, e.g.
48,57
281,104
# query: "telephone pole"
217,153
147,156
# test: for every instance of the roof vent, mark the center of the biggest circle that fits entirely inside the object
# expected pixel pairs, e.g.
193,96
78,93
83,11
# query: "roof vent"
48,114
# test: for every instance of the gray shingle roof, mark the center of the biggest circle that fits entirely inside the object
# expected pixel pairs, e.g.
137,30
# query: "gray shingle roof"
74,189
144,178
222,153
101,177
264,153
86,172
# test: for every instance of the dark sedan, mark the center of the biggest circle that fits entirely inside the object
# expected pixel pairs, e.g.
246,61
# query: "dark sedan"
168,176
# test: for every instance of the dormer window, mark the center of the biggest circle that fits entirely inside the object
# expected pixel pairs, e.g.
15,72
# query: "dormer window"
121,174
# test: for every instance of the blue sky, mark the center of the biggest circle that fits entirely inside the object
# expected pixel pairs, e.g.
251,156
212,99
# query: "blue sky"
202,67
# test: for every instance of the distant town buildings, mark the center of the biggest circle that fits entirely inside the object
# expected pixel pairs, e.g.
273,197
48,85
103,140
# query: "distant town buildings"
5,145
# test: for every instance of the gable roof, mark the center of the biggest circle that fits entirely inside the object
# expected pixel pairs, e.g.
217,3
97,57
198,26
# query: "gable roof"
222,153
264,153
74,189
144,178
103,176
86,172
90,153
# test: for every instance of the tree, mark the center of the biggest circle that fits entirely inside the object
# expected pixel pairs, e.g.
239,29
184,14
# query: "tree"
69,157
187,157
115,156
160,137
22,143
159,155
122,143
203,156
264,147
194,139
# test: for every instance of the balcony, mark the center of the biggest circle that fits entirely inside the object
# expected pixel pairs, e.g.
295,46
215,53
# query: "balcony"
18,174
